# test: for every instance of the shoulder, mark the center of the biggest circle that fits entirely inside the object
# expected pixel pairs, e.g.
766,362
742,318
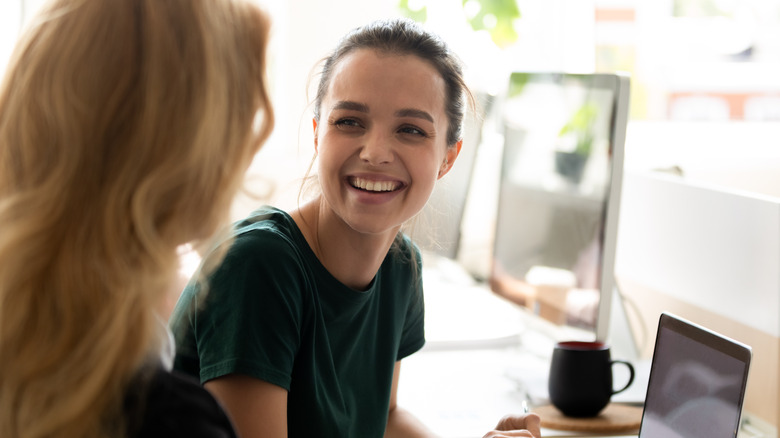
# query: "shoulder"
267,259
405,252
266,238
401,270
268,231
174,405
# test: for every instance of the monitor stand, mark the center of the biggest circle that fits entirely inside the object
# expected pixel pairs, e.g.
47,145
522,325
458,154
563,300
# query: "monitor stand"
622,338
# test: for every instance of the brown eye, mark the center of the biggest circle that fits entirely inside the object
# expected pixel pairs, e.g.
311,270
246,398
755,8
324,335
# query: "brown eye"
347,123
413,130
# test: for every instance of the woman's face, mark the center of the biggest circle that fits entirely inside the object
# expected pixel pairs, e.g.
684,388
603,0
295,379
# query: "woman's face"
381,139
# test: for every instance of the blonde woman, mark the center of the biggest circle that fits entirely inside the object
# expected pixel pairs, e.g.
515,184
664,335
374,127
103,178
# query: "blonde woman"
125,130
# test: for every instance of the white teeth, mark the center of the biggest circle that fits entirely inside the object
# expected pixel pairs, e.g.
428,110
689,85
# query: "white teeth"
374,186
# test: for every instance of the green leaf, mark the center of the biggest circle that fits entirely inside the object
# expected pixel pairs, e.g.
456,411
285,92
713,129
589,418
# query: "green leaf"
517,81
581,125
497,17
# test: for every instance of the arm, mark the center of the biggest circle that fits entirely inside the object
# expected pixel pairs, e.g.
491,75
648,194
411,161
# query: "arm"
400,422
258,409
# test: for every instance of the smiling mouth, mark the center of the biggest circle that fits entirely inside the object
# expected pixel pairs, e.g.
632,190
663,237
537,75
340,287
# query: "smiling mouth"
373,186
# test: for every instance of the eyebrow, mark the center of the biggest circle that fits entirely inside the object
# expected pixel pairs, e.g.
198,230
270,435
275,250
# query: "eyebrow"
350,105
410,112
406,112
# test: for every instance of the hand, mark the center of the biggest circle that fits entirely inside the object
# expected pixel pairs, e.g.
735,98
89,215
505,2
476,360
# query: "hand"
526,425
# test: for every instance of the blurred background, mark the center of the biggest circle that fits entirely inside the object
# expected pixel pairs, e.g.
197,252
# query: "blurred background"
704,73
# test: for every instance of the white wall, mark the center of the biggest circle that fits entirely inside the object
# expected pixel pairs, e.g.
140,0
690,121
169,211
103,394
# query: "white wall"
10,21
742,156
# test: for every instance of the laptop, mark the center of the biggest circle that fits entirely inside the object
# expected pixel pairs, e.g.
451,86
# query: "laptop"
697,383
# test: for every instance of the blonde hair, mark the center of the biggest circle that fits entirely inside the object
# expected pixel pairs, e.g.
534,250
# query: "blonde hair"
126,127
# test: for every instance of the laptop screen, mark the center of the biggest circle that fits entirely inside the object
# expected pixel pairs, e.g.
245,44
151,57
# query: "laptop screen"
697,383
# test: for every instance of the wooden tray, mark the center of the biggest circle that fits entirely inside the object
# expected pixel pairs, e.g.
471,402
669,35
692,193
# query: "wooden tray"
614,418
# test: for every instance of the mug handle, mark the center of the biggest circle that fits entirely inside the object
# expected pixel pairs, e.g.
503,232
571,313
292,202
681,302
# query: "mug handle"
630,377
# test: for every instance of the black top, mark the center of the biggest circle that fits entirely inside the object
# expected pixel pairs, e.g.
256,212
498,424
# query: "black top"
169,404
273,312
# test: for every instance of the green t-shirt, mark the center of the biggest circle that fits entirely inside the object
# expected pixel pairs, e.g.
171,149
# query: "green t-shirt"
275,313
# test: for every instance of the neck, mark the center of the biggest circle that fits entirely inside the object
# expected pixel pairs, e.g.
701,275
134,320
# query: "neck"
350,256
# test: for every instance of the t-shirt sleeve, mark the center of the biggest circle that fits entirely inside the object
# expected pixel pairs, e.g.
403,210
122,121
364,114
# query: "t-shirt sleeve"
250,322
413,335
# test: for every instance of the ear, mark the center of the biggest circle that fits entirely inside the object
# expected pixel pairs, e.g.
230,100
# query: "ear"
449,158
314,126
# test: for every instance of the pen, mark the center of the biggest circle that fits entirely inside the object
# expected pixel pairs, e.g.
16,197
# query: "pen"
525,407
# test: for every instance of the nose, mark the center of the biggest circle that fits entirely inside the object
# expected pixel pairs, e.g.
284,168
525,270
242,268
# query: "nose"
377,149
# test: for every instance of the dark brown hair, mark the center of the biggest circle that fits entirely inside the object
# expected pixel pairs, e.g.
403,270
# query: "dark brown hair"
400,36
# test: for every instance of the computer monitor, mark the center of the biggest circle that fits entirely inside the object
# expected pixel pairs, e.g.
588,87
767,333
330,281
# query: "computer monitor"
559,194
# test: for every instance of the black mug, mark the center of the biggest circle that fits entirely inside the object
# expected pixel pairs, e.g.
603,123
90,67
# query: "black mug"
580,381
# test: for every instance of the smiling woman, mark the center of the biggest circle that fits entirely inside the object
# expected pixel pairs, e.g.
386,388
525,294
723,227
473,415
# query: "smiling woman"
392,134
311,313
